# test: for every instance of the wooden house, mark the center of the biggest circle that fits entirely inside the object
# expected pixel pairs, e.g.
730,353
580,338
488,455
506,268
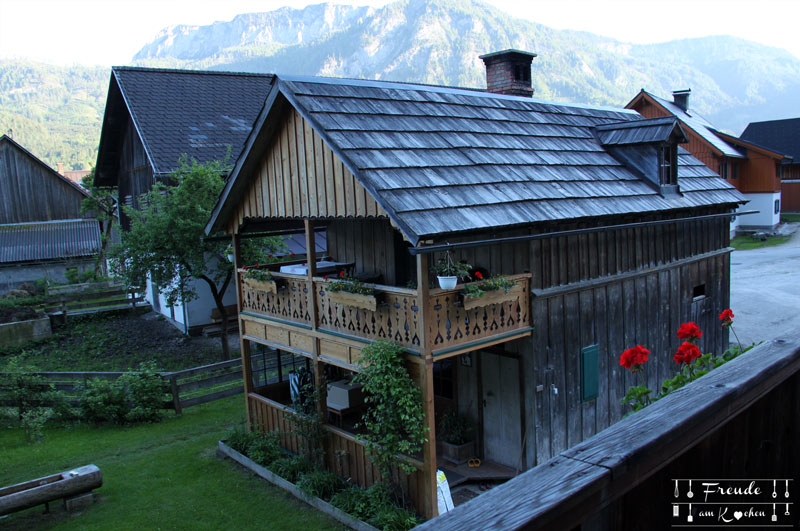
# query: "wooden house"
613,232
153,117
753,169
42,230
782,136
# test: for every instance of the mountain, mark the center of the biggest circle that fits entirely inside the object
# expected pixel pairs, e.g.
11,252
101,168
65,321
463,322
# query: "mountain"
425,41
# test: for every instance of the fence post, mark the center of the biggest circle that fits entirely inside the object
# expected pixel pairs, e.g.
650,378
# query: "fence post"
176,398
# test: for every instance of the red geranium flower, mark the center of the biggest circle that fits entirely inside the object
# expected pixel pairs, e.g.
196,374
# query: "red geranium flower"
634,357
269,256
291,254
689,331
325,277
726,317
479,275
245,267
341,273
687,353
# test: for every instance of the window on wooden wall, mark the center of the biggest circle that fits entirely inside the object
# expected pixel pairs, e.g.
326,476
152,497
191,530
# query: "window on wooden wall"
443,379
734,167
723,168
668,165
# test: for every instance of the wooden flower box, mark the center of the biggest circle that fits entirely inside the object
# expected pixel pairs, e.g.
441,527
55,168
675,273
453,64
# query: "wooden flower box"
357,300
263,285
497,296
458,453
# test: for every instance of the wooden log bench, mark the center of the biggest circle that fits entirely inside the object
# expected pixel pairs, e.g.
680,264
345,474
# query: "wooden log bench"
74,486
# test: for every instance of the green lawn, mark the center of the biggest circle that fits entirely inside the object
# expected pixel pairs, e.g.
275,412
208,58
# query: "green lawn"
743,243
155,476
790,218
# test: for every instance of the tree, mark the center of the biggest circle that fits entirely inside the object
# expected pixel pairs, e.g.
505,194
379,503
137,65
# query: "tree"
166,241
101,202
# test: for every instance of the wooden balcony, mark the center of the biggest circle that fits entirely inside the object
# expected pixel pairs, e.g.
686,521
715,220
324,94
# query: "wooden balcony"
283,319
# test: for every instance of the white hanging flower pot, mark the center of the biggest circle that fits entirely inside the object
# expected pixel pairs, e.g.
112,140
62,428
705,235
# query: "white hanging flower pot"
448,282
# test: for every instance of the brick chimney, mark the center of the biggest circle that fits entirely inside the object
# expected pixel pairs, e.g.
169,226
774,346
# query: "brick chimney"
60,168
681,98
509,72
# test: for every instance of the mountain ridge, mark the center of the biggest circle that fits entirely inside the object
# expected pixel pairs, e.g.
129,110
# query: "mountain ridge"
438,42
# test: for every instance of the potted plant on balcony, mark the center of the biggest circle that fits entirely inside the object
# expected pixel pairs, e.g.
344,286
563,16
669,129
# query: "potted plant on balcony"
260,279
457,434
493,290
352,292
449,271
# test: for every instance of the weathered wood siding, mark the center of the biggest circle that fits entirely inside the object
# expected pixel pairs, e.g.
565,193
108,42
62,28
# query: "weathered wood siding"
135,175
302,177
32,191
373,246
790,196
758,174
615,289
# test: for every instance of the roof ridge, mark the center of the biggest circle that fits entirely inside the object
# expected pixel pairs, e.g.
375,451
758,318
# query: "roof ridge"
125,68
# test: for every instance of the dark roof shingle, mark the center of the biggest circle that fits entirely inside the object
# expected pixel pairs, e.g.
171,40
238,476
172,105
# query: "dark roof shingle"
782,136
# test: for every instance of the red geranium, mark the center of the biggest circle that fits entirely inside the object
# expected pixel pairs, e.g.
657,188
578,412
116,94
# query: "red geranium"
479,275
269,256
325,277
341,273
726,317
245,267
291,254
689,331
633,358
687,353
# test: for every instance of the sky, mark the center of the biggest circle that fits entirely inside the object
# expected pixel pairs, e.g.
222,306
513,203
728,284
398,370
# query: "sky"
110,32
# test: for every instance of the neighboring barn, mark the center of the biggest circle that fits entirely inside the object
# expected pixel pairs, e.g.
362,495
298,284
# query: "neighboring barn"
753,169
153,117
614,234
782,136
42,230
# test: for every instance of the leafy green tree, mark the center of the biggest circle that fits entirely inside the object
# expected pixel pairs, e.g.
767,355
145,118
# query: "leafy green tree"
166,240
102,203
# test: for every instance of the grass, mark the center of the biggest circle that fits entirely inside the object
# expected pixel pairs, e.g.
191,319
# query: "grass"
790,218
155,476
744,243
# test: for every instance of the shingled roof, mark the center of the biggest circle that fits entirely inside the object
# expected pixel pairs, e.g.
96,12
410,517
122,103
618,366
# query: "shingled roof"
177,112
441,160
49,240
782,136
696,123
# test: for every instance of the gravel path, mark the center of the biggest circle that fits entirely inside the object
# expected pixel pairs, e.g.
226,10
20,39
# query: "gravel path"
765,290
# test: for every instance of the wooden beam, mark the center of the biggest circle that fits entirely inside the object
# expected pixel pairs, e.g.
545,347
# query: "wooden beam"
311,272
430,508
244,344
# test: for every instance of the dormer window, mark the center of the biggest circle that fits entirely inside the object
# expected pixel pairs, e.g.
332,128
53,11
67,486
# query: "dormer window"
668,165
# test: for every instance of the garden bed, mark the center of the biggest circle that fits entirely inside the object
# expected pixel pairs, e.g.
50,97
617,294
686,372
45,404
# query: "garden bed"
278,481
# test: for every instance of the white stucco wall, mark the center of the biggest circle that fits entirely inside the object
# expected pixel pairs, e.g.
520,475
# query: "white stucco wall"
766,218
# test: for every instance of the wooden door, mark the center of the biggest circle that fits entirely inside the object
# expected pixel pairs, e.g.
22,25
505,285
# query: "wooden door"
502,438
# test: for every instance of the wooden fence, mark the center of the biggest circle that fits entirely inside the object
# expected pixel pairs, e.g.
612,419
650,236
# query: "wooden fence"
739,422
85,301
187,388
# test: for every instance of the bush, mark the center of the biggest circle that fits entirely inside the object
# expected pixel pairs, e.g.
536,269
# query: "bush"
33,422
320,483
104,401
374,506
354,501
145,392
240,439
394,518
71,274
22,388
291,468
264,449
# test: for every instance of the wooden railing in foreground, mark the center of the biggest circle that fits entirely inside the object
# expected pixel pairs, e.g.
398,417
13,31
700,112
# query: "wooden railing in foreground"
742,420
345,453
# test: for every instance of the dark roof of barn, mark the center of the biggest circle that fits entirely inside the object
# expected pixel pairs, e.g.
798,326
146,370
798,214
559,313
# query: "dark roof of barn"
778,135
49,240
175,112
442,160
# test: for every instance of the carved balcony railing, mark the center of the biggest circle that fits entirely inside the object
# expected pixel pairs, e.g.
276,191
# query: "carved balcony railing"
397,315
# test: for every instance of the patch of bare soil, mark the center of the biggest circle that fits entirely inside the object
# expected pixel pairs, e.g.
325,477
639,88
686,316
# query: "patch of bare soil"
118,341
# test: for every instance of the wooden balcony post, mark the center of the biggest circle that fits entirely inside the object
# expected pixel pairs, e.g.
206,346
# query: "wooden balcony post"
244,345
430,508
311,270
